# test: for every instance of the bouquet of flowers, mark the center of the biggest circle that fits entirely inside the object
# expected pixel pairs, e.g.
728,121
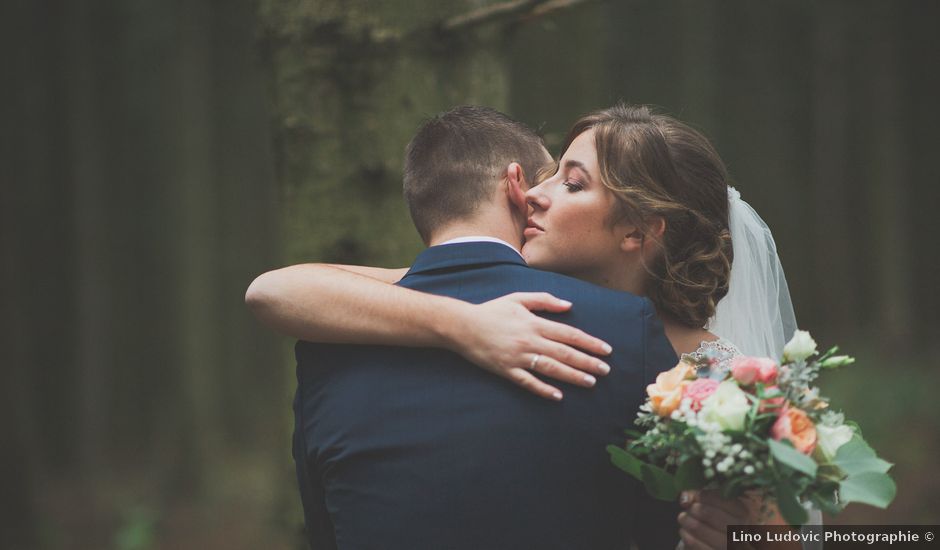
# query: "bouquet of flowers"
758,427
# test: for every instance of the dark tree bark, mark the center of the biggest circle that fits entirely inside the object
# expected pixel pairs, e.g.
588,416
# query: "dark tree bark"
700,67
197,252
351,83
888,179
87,143
837,283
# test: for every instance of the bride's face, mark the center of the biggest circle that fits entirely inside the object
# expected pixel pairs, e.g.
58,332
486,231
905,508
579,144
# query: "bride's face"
569,229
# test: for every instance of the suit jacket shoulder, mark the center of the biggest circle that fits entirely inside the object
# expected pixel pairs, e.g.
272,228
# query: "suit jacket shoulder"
416,448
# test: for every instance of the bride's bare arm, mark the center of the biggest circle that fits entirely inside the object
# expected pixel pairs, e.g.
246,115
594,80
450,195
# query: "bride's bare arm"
346,304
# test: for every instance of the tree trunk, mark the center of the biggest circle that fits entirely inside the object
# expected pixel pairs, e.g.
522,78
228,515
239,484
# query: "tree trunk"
835,279
87,142
197,250
888,180
350,86
700,67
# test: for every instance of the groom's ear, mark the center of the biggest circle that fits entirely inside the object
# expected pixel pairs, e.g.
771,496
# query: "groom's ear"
515,184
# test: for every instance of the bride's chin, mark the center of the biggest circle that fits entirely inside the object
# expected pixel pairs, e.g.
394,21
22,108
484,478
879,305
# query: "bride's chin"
534,259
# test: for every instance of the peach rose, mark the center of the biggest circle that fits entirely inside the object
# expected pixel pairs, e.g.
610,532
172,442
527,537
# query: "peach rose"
747,370
666,393
794,425
698,390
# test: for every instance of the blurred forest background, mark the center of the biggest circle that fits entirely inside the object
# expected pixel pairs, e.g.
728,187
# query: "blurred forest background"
160,155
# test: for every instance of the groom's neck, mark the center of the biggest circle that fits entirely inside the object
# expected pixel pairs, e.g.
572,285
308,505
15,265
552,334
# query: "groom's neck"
509,233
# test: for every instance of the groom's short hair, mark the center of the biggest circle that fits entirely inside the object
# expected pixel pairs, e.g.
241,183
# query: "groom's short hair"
455,159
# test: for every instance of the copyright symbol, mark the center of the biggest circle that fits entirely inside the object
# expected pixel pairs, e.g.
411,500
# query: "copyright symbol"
928,536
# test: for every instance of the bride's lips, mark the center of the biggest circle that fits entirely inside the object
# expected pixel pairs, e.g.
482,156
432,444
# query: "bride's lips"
532,229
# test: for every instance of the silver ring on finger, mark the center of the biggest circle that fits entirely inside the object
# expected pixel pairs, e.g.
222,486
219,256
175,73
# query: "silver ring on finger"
535,361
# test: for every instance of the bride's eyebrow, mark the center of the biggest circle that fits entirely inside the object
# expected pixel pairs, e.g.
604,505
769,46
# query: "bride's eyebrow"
569,164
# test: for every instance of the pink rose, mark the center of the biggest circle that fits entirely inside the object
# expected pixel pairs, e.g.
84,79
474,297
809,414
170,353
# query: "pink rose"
747,370
767,372
700,389
794,425
772,404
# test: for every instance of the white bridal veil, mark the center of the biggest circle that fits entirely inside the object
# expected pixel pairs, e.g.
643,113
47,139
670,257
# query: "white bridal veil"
756,315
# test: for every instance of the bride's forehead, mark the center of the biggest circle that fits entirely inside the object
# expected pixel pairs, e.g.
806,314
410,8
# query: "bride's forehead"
582,151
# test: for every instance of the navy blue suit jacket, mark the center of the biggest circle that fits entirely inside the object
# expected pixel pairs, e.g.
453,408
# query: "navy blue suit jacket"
409,449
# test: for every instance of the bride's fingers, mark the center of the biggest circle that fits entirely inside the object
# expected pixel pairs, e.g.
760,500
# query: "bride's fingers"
540,301
547,366
697,535
524,379
560,332
570,357
567,334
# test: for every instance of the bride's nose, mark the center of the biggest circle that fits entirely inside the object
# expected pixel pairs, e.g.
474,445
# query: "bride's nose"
537,199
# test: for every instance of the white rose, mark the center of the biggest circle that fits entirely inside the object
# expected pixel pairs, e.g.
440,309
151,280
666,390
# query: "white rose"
727,407
799,347
829,439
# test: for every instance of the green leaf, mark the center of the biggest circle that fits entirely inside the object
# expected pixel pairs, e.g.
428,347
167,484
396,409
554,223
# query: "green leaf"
790,508
786,454
828,353
690,475
659,483
874,488
826,502
625,461
856,457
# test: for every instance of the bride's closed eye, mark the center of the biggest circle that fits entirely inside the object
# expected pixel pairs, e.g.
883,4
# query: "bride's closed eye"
573,186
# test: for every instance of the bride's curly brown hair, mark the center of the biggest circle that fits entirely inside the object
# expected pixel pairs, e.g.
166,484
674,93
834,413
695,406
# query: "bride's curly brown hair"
657,166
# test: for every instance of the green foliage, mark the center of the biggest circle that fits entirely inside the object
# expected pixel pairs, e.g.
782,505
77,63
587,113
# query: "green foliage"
659,483
790,507
856,457
690,475
874,488
625,461
784,453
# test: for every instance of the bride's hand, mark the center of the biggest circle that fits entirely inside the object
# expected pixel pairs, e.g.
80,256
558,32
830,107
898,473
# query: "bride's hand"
504,337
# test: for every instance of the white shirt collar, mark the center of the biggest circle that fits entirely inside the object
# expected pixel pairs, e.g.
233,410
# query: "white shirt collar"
478,239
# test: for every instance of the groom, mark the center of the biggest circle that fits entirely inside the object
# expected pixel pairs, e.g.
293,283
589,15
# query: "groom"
405,448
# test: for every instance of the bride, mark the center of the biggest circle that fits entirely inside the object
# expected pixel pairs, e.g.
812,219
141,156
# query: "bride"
638,202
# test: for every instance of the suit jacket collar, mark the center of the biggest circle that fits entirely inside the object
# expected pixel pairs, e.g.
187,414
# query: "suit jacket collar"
462,255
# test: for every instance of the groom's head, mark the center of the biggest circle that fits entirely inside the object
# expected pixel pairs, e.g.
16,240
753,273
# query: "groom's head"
458,161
